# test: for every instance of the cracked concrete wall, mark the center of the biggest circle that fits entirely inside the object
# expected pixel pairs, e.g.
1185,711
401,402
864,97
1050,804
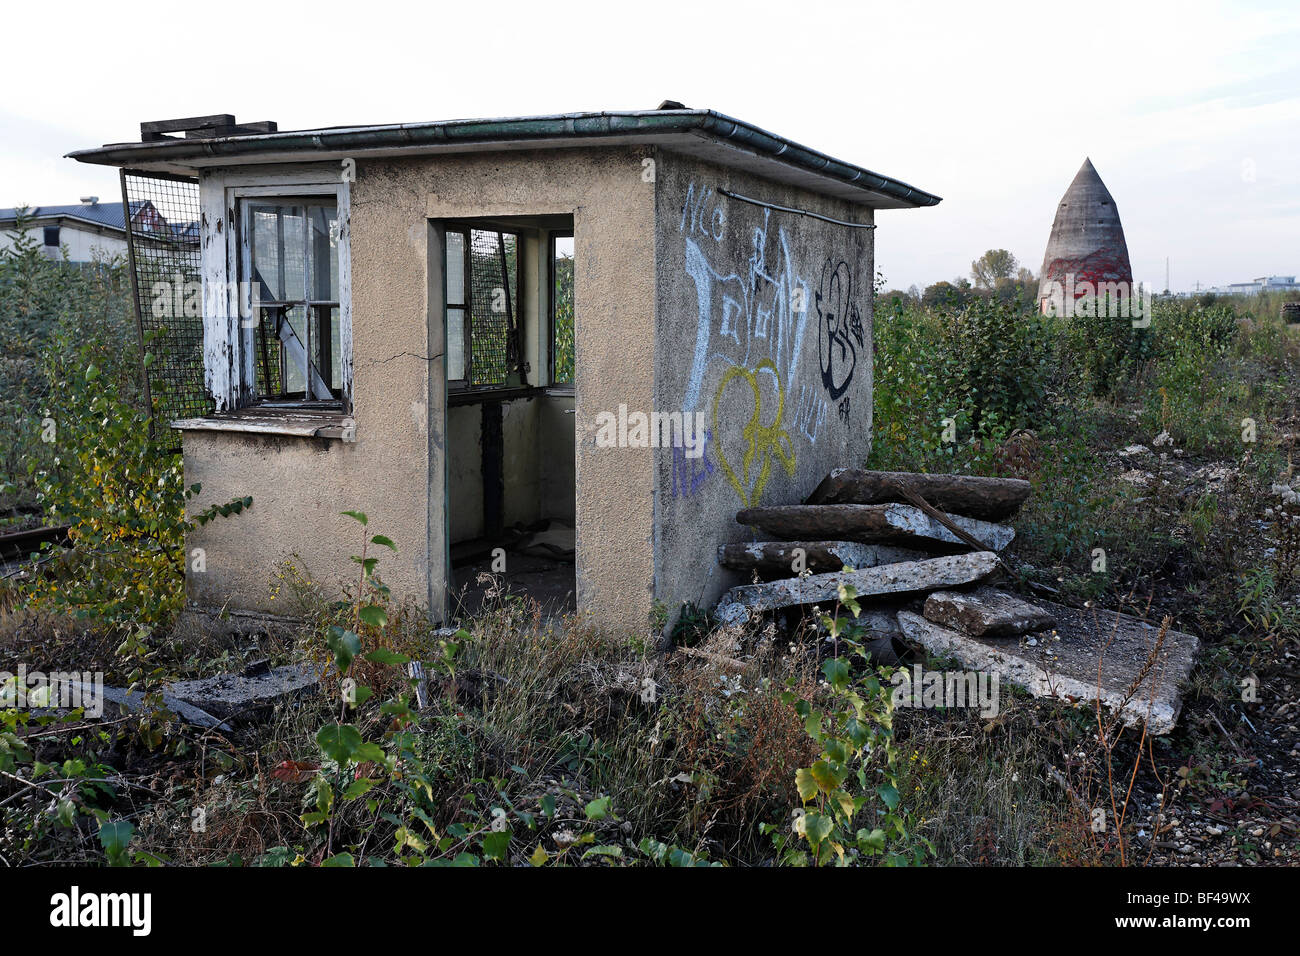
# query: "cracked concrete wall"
765,328
300,486
395,469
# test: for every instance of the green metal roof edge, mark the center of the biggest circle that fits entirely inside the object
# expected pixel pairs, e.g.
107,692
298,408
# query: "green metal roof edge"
520,129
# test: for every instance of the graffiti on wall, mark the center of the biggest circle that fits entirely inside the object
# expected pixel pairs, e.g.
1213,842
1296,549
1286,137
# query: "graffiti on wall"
691,474
839,328
809,412
761,441
752,327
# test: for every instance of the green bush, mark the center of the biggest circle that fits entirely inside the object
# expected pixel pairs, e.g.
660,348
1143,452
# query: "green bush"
1194,395
985,368
82,450
50,310
1107,350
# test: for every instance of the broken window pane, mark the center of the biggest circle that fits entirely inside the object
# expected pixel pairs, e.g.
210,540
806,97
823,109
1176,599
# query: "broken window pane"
327,345
298,342
292,332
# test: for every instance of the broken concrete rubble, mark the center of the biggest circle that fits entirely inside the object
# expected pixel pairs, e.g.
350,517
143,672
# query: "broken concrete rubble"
884,634
990,499
986,612
1089,656
878,523
778,558
133,702
231,695
739,603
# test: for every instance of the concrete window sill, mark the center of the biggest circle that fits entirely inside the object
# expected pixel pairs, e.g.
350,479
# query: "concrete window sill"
261,420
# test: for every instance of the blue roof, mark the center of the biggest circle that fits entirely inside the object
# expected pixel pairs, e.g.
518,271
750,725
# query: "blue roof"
107,214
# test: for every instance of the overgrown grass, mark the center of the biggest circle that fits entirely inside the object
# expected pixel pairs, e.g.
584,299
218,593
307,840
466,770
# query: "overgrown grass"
595,750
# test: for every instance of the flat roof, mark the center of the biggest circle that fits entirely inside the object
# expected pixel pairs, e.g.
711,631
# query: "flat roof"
702,133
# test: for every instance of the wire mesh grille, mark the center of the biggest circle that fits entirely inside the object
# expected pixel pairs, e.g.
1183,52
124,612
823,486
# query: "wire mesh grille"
163,229
494,299
268,363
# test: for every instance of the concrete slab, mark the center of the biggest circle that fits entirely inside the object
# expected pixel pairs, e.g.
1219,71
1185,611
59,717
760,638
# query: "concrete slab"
740,603
228,695
872,524
986,612
991,499
776,558
1102,655
134,703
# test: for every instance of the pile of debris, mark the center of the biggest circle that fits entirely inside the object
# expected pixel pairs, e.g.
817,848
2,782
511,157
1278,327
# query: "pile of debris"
920,553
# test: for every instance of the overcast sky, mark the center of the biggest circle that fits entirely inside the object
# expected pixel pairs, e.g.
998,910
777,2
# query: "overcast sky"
1190,111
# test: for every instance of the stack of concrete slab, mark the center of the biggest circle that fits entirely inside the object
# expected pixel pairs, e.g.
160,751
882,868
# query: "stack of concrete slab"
919,553
873,523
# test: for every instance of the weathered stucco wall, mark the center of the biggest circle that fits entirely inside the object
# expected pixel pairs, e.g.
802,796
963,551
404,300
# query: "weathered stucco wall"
765,327
612,204
300,485
395,470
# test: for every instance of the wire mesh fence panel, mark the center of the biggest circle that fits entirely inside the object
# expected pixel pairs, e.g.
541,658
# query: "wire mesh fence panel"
493,304
163,232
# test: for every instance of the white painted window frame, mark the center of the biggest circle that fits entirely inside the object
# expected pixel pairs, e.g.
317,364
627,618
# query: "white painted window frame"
228,354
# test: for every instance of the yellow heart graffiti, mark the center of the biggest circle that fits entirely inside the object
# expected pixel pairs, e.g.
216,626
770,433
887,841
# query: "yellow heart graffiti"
762,441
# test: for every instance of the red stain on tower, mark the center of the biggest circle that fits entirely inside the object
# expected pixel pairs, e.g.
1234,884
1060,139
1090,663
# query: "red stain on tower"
1086,251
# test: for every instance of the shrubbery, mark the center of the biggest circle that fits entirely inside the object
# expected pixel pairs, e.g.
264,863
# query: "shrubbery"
55,316
982,370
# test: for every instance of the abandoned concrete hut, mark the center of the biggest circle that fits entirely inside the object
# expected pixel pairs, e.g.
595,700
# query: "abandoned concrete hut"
620,327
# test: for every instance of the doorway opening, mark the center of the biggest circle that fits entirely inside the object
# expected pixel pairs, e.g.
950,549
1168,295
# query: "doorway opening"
510,429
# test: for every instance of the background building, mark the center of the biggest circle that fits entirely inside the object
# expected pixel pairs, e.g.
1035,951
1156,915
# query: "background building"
88,228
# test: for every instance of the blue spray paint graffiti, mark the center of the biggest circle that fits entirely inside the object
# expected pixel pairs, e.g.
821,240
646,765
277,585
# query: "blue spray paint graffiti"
690,474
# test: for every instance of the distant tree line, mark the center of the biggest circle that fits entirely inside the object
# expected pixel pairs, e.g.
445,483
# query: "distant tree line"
995,275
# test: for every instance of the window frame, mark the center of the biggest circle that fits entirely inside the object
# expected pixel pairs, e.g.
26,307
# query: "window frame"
466,229
551,236
239,266
465,307
311,307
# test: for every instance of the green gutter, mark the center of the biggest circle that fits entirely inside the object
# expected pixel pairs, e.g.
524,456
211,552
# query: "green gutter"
518,129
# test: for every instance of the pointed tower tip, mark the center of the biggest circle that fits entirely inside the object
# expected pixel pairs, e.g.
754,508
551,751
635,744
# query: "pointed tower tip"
1087,173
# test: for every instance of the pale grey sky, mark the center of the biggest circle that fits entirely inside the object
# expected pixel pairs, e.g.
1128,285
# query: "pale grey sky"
1190,111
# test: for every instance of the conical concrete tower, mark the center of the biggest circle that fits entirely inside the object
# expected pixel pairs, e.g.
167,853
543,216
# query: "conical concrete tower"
1086,247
